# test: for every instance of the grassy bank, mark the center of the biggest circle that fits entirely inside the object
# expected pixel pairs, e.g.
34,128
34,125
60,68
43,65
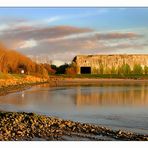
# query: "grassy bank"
113,76
18,79
17,82
30,126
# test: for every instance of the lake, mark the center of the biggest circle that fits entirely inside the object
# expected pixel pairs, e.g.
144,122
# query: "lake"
115,105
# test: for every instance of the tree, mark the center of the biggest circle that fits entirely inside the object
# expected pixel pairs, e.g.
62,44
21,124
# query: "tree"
12,61
146,69
48,68
101,68
113,70
72,69
54,67
124,69
62,69
137,69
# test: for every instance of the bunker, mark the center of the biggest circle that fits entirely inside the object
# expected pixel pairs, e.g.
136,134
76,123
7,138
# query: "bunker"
106,64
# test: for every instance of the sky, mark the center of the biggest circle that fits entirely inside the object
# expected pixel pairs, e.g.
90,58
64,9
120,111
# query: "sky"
62,33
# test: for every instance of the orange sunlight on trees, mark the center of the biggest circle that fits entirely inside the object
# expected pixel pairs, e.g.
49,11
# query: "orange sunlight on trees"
12,61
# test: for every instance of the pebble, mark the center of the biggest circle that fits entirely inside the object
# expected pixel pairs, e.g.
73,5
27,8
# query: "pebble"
29,125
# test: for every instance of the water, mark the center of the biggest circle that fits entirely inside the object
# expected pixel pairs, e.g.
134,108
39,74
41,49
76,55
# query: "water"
119,106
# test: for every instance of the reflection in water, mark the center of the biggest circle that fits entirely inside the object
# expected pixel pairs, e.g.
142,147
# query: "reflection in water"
109,95
100,95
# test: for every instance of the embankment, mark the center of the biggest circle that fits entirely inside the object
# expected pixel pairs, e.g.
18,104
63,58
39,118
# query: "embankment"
13,83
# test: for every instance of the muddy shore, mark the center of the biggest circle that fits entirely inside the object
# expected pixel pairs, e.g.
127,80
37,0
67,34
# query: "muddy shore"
30,126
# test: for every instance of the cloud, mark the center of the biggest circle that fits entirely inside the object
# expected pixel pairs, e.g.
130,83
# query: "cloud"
40,33
116,35
64,42
28,44
3,27
27,33
12,22
9,23
52,19
96,36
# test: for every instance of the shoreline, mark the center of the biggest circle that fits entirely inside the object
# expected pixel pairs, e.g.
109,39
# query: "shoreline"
16,88
56,81
20,126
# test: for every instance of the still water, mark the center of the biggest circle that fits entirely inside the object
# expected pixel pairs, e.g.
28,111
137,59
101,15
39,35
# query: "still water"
118,106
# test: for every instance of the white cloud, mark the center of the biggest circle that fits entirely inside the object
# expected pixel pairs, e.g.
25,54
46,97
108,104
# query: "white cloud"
46,21
28,44
3,27
52,19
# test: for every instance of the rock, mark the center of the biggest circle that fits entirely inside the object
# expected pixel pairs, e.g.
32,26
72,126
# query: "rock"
16,126
119,132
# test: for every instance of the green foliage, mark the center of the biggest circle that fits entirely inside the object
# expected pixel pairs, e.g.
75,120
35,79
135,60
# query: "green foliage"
101,68
128,76
54,67
62,69
124,69
113,70
137,69
145,69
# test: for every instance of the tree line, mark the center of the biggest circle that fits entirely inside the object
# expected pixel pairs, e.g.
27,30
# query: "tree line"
124,69
12,61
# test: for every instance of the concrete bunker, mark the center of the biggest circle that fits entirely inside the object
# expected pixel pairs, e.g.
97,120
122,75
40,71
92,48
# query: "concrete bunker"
107,64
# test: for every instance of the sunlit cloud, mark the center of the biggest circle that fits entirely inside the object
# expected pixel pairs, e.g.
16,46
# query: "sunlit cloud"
28,44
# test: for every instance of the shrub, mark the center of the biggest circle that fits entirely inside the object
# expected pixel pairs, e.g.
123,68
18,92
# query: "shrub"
71,70
146,69
137,69
62,69
124,69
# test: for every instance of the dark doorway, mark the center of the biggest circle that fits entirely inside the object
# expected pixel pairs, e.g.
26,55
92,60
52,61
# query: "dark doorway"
85,70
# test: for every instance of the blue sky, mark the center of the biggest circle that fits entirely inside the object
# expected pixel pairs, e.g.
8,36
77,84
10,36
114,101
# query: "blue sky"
110,18
72,31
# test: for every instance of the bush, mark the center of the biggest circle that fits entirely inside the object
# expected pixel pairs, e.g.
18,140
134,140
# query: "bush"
48,68
145,69
137,69
62,69
124,69
71,70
